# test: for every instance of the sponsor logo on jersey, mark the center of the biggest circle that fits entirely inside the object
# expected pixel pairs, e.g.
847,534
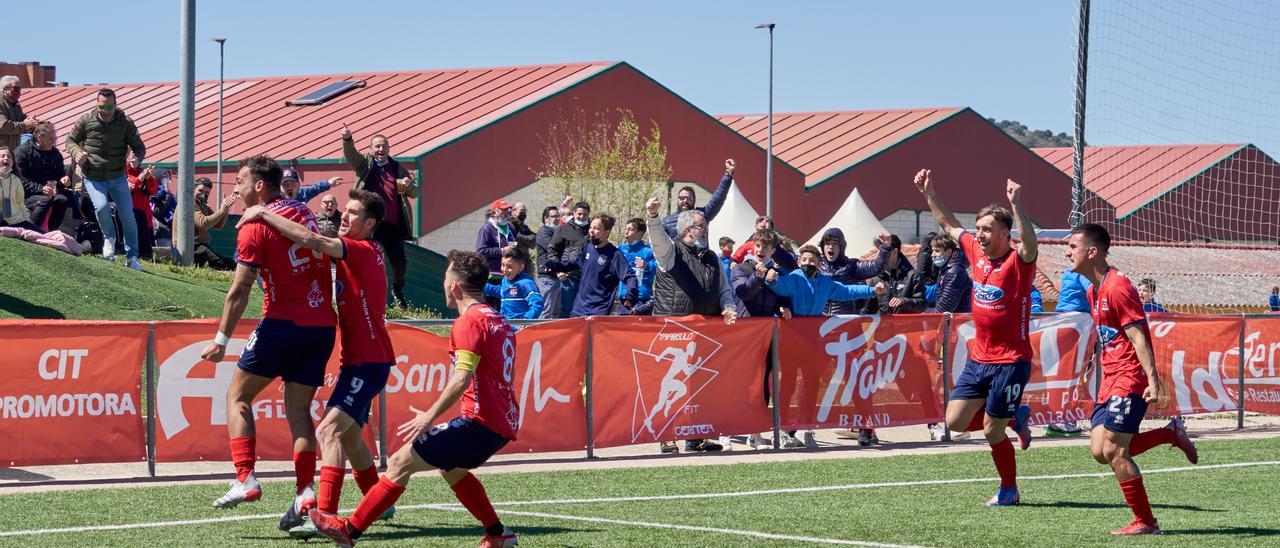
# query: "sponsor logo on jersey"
987,293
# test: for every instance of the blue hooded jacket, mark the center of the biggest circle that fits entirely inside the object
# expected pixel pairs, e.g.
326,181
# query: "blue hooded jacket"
521,299
1074,295
810,295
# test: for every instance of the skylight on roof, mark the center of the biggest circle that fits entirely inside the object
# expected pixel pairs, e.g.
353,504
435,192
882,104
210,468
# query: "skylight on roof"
320,96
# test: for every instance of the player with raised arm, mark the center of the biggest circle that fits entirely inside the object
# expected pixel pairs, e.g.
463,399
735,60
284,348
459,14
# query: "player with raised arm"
367,354
999,364
292,341
483,348
1130,380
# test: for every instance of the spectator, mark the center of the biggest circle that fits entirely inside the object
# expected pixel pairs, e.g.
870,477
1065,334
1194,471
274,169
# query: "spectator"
525,238
1147,292
748,247
292,187
163,205
44,179
517,291
955,287
142,184
329,219
548,284
13,122
12,197
99,143
899,287
640,256
206,218
567,243
1037,300
602,269
726,256
842,269
689,281
686,197
809,289
1274,301
924,260
748,280
495,237
383,175
1073,295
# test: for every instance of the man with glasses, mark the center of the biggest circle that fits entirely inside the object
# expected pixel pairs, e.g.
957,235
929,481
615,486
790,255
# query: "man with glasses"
548,283
13,122
685,200
100,143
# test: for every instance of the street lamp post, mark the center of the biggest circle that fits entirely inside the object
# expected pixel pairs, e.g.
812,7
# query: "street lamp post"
768,165
221,42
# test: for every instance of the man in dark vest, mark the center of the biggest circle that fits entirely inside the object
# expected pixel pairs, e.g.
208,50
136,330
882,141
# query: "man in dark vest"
690,280
381,174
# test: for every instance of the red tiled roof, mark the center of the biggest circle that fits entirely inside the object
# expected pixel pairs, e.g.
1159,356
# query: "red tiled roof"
1219,276
822,144
417,111
1129,177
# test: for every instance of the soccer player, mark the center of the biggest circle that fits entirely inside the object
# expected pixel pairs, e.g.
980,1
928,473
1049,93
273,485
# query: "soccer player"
367,354
1130,380
483,348
999,364
292,341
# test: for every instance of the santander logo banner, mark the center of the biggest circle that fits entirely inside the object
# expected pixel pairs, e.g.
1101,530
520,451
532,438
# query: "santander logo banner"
1061,345
860,371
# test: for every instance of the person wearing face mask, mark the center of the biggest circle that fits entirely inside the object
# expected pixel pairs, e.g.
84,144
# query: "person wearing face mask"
640,256
548,284
689,280
602,269
525,238
13,122
567,243
495,237
383,175
955,287
811,290
12,197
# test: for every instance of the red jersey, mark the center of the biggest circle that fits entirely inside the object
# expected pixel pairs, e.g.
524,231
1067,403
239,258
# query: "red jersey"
296,283
491,398
1001,304
362,303
1115,305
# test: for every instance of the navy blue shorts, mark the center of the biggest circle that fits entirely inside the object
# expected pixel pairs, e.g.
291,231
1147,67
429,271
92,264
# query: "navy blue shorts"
1000,384
280,348
1120,414
459,443
356,388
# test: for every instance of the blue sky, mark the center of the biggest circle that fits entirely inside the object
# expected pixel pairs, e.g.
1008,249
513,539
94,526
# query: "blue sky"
1006,59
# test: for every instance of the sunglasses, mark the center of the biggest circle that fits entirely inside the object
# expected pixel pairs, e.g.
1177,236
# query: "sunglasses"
106,108
685,198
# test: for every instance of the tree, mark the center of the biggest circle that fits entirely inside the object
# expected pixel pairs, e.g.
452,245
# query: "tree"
604,160
1032,138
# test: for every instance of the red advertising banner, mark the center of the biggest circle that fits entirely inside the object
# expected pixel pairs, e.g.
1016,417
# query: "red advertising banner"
1199,357
661,378
1262,365
71,392
1062,348
191,397
549,372
860,371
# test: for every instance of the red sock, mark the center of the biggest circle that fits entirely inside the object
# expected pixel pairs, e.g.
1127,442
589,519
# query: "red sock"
366,478
471,494
975,425
304,468
1136,496
1151,438
330,489
242,455
374,503
1006,464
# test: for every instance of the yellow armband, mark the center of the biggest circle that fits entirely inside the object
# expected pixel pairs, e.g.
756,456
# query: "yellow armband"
466,360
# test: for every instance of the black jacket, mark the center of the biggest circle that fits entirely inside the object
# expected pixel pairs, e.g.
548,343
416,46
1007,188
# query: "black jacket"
567,244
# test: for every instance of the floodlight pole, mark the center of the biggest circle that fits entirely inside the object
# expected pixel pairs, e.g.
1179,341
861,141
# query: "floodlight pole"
184,218
221,42
768,162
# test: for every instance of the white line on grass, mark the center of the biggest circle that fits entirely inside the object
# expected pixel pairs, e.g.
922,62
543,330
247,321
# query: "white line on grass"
790,490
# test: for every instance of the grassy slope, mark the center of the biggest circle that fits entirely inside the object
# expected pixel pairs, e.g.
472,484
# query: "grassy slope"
1198,508
38,282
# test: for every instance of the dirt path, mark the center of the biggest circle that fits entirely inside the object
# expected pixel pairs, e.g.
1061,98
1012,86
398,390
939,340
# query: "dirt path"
909,440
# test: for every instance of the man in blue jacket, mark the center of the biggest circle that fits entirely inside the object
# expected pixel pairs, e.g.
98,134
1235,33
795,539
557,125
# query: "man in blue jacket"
685,199
1274,301
519,294
639,255
292,187
602,268
810,290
